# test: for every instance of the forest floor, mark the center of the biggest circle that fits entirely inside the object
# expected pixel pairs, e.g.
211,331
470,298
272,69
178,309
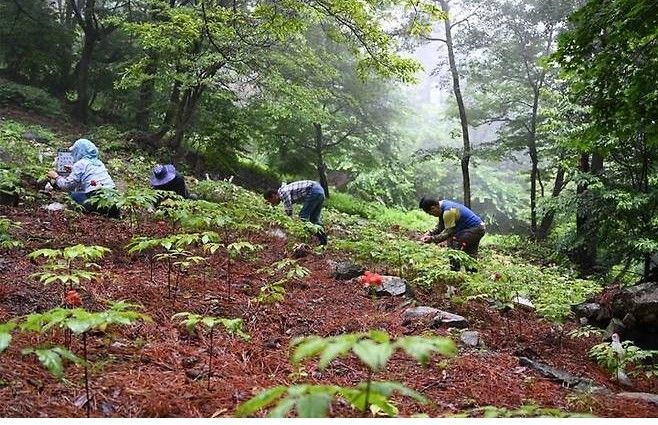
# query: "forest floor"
157,369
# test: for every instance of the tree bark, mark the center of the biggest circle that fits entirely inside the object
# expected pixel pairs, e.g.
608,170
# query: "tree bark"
547,219
86,21
463,119
319,158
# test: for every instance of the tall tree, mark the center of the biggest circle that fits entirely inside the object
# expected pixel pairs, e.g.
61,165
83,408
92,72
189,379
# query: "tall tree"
513,39
609,57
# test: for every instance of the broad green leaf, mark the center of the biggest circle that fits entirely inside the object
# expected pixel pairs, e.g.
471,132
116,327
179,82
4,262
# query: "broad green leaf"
5,339
334,349
260,401
421,348
313,405
374,355
282,409
308,347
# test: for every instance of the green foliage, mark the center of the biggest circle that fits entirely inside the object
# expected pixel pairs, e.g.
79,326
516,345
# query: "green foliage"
585,332
288,270
30,98
78,321
373,349
525,411
6,239
5,334
52,358
191,321
641,362
60,263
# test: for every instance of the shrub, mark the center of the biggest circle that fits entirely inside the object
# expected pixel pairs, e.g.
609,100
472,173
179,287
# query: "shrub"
30,98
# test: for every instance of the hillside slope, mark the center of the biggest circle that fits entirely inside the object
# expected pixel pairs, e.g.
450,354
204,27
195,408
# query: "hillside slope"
159,369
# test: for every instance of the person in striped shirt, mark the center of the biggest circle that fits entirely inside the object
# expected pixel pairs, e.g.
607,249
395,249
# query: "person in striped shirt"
308,192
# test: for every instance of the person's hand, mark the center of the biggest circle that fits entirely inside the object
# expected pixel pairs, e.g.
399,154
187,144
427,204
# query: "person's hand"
426,238
52,174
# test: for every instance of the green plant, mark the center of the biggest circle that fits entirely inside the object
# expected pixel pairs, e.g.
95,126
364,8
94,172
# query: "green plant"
585,332
6,239
525,411
235,251
633,358
232,326
178,261
80,322
60,263
373,349
274,291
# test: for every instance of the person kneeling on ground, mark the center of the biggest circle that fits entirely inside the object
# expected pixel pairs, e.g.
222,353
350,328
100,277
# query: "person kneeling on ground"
458,225
307,191
165,177
88,175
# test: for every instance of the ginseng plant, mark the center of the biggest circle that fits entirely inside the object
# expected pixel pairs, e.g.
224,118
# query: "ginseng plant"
60,263
80,322
232,327
373,349
234,251
274,291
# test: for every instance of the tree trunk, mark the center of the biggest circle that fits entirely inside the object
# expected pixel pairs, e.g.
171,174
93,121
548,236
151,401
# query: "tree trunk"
81,107
547,219
586,231
534,160
466,152
319,159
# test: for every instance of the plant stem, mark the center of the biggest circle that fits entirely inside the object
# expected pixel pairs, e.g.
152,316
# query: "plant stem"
367,400
212,329
84,351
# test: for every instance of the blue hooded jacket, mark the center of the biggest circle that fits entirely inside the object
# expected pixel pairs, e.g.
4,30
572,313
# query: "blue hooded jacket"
88,172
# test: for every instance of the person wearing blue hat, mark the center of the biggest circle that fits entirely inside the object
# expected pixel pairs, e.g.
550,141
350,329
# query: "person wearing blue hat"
165,177
88,175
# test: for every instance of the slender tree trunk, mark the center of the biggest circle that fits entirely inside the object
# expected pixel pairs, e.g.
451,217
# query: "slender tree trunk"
466,152
319,161
534,159
81,107
547,219
586,229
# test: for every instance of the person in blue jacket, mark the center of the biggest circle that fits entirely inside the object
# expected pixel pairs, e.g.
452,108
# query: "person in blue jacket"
88,175
460,227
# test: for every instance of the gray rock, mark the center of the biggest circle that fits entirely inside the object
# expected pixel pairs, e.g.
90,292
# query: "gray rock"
345,270
55,206
35,137
550,372
470,338
615,326
418,313
523,303
641,301
587,310
443,318
648,397
277,233
392,285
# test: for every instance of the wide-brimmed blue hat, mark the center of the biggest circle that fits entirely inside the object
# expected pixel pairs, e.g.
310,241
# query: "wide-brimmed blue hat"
162,174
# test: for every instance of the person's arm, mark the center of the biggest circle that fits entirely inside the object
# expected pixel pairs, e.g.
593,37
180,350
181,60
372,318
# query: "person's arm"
450,218
287,201
74,179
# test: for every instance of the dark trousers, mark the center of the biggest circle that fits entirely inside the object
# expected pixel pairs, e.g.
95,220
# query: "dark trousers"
83,198
312,208
467,240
